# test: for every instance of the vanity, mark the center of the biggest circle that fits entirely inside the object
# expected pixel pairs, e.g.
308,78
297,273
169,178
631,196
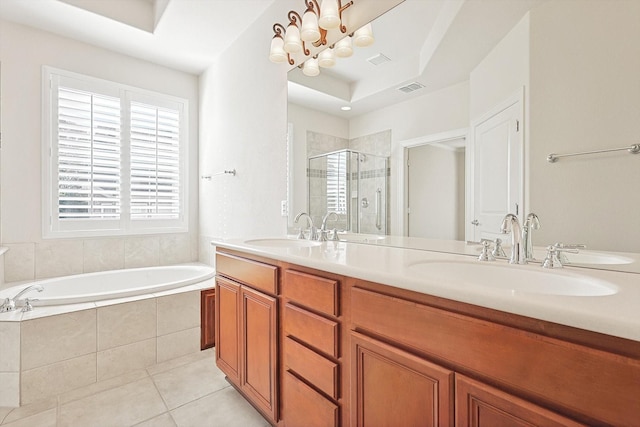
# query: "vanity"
334,333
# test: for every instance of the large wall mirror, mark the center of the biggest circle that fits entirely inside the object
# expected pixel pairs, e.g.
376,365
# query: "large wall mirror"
446,78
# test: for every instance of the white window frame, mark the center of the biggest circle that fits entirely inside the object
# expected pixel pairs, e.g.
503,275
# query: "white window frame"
52,227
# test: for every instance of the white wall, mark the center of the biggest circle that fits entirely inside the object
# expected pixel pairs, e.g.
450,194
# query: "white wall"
23,52
243,125
585,95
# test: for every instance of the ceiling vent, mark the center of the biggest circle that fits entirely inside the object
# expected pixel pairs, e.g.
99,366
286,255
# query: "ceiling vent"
411,87
378,59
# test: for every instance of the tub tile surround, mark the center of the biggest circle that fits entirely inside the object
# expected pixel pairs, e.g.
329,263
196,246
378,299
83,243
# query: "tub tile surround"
63,257
61,352
186,391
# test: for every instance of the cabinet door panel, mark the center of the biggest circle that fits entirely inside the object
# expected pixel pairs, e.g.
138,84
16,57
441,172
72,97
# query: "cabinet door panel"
311,291
479,405
312,329
314,368
207,318
258,325
227,328
391,387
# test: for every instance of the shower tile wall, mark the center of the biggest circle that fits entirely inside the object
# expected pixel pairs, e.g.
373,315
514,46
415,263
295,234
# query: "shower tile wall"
53,258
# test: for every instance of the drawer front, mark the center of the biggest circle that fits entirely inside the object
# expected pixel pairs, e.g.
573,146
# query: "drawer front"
311,291
255,274
312,329
316,369
304,407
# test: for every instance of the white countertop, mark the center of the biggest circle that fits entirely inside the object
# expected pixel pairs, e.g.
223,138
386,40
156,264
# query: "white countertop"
617,314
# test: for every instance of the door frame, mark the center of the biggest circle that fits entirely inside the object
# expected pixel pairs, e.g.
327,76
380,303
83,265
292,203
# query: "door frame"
399,222
518,98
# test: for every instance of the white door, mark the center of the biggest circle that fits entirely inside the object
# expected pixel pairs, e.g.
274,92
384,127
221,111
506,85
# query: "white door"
497,177
435,196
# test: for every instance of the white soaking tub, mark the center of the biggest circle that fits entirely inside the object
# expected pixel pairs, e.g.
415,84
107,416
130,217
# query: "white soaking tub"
90,287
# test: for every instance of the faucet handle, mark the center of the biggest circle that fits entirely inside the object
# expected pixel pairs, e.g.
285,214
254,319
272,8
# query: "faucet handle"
497,250
568,248
27,304
486,255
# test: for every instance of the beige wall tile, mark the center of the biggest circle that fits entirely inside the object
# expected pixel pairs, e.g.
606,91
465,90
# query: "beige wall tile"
178,344
20,262
50,380
178,312
10,389
53,339
121,360
103,254
175,249
126,323
58,258
9,347
141,252
100,386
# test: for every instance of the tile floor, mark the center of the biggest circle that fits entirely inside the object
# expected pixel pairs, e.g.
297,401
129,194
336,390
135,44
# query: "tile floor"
188,391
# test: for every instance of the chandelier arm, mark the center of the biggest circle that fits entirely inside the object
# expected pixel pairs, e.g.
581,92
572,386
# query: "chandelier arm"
322,41
310,6
278,29
294,17
343,28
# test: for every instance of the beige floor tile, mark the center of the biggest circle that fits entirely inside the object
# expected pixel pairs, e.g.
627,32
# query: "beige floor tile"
183,360
102,386
26,411
122,406
3,413
189,382
163,420
42,419
223,408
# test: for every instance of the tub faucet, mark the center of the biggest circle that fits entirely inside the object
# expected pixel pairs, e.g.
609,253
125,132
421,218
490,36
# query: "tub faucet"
313,232
10,303
510,224
531,223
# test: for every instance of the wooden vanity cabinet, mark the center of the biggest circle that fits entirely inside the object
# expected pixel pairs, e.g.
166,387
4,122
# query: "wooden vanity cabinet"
247,329
504,375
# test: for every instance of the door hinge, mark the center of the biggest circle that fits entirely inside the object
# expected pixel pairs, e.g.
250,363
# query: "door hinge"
517,125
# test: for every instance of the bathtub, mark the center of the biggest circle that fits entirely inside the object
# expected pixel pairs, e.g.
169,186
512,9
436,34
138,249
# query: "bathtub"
93,327
90,287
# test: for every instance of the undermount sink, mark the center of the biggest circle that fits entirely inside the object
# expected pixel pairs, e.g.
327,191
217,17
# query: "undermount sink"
359,238
282,243
514,278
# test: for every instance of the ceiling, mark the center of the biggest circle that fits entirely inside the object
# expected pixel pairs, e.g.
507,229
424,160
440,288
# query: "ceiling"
186,35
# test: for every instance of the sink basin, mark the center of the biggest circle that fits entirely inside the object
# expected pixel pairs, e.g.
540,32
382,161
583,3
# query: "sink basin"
282,243
512,278
359,238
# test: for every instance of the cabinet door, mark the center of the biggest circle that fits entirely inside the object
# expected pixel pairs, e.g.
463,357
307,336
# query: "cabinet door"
259,349
391,387
207,318
227,315
479,405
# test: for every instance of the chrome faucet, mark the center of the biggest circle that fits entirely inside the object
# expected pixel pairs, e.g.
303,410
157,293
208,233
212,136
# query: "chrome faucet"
510,224
323,228
10,303
531,223
313,232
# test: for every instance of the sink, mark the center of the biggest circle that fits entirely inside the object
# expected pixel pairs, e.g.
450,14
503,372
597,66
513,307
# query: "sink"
359,238
282,243
513,278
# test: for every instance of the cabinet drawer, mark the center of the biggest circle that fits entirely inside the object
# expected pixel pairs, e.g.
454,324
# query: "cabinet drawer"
318,370
312,291
255,274
304,407
312,329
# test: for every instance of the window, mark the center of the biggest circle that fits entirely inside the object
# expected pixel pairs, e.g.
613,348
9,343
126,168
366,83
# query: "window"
337,182
114,158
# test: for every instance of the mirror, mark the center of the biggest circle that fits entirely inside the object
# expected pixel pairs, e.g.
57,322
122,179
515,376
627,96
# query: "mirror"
573,64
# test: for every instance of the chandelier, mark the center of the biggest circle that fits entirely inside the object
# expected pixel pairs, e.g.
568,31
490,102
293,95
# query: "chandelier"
312,28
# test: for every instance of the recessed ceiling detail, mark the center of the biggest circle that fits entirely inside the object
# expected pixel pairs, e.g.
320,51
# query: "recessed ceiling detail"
411,87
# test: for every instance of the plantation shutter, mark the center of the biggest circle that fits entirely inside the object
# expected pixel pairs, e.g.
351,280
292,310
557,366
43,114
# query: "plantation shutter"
89,159
155,162
337,183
